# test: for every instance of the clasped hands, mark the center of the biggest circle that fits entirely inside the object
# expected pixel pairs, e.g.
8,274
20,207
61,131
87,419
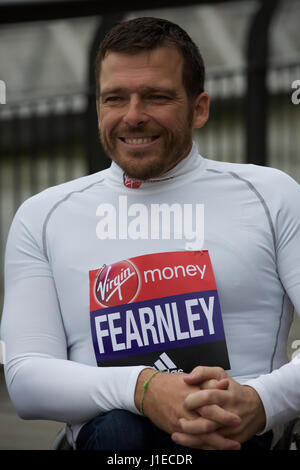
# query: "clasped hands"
205,409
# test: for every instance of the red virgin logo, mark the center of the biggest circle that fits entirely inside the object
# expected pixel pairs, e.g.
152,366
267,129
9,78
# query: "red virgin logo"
131,182
117,284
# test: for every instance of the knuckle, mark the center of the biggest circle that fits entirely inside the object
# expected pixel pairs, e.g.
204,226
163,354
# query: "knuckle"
206,411
220,372
206,394
198,369
209,384
213,396
187,403
208,426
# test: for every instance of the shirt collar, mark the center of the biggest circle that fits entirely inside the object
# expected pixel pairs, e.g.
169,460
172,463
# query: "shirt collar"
183,169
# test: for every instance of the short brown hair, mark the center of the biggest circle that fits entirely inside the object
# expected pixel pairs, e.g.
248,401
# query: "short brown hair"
149,33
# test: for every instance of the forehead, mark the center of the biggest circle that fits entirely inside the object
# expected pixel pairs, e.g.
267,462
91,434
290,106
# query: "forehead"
160,66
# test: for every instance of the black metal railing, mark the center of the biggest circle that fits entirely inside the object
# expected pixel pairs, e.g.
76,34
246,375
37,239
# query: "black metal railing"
284,119
42,143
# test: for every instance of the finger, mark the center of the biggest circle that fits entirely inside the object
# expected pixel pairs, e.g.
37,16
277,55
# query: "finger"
205,441
202,373
198,425
219,415
212,417
222,384
207,397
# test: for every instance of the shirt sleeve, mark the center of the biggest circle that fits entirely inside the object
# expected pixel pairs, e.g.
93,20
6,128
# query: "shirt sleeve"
280,390
42,382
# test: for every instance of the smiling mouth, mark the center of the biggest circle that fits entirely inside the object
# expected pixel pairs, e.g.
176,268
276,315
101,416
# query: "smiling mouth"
138,140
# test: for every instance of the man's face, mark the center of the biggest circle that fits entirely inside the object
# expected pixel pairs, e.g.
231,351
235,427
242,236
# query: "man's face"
145,119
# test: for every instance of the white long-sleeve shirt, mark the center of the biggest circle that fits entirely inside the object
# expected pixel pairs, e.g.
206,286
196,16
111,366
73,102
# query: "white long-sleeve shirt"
252,232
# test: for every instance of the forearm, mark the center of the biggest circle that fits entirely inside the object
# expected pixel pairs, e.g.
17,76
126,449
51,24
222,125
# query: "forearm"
62,390
42,382
279,393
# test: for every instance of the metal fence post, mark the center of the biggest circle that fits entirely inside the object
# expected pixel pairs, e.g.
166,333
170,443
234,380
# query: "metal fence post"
257,94
96,158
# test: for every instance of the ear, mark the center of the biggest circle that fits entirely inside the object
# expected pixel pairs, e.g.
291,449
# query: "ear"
201,110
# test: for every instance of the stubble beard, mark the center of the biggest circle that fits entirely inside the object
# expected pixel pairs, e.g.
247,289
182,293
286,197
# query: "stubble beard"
175,148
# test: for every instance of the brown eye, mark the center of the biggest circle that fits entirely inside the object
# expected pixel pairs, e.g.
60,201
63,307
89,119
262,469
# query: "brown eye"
112,99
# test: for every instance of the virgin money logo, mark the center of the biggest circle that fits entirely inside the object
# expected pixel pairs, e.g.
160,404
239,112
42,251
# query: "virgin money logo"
117,284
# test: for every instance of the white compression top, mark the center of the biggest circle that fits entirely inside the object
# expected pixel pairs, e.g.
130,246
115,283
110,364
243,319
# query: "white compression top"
252,232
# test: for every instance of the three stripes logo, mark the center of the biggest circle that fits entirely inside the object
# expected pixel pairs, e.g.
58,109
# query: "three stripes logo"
166,364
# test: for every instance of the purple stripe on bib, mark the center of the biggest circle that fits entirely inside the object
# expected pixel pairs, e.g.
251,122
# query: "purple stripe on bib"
177,321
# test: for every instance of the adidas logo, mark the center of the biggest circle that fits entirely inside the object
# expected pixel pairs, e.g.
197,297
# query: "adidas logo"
166,364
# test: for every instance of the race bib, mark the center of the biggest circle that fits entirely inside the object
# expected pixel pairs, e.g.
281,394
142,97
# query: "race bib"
160,310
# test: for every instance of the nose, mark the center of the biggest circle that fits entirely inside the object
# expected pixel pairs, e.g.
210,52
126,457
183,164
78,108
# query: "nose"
135,113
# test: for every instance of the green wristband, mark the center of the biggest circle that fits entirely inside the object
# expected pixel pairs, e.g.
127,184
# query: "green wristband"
144,389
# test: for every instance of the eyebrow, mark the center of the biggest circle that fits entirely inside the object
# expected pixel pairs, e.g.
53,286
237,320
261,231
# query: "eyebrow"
143,90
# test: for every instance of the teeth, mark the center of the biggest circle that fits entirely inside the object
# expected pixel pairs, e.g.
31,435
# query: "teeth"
140,140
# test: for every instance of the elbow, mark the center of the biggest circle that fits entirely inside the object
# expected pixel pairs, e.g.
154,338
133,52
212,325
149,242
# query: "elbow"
22,413
23,394
24,408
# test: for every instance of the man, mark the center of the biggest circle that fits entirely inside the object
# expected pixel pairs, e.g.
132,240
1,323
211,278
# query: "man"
150,97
